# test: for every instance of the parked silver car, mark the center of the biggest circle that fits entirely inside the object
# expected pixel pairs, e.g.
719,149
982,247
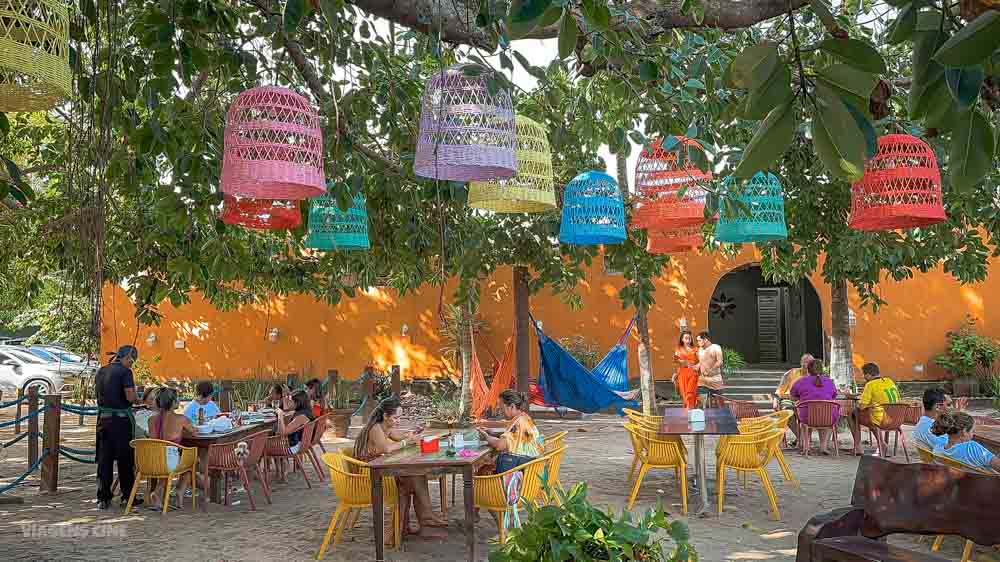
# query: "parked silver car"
22,370
65,362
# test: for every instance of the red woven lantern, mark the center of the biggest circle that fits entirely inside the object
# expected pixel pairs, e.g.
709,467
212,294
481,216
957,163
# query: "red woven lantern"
261,214
660,177
901,187
674,241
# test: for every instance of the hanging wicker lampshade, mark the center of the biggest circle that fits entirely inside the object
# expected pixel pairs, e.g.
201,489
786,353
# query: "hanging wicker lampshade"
261,214
901,187
466,132
532,189
274,146
34,54
763,219
333,229
670,186
674,241
593,211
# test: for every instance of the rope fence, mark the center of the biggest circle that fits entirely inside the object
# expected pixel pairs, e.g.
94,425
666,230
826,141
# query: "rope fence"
10,403
19,479
63,451
14,441
25,417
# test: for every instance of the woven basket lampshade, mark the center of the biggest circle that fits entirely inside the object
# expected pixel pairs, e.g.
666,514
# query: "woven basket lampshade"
593,211
34,54
261,214
671,187
467,133
763,219
674,241
333,229
274,146
532,189
901,187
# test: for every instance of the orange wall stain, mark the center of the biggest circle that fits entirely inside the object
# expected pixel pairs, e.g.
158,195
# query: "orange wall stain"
197,341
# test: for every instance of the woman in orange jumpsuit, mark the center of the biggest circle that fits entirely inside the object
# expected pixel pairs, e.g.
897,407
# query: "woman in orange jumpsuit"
686,378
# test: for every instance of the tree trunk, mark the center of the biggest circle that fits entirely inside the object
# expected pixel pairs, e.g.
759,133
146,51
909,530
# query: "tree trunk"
841,355
465,349
646,366
522,347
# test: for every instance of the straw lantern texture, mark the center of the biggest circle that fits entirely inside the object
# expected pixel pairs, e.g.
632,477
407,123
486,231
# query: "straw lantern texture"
761,217
593,211
34,54
532,190
261,214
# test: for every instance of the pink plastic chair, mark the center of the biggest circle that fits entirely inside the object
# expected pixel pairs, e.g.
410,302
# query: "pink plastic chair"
223,458
892,422
819,414
277,450
322,423
740,409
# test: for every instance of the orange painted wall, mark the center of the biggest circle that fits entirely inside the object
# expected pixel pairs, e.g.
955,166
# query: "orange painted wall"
314,337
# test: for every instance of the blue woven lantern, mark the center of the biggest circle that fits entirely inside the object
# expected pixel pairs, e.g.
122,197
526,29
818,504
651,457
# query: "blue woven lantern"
333,229
762,219
593,211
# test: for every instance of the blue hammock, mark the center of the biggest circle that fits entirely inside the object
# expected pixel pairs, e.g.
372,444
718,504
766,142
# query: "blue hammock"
564,381
613,369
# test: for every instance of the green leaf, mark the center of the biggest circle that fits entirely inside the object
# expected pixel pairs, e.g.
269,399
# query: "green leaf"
535,71
772,139
964,84
973,43
871,137
648,71
567,35
4,125
942,109
837,137
903,26
823,12
971,150
596,13
522,11
772,93
922,97
551,16
331,11
855,52
295,10
753,66
849,79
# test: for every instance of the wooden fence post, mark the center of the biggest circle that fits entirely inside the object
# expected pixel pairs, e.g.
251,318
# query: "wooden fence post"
33,425
17,414
369,394
83,397
50,441
226,397
397,386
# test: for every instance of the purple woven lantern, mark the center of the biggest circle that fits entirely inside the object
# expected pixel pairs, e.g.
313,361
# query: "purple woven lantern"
467,133
273,146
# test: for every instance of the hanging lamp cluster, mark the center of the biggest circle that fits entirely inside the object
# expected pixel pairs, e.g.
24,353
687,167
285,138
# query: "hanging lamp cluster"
593,211
760,212
34,54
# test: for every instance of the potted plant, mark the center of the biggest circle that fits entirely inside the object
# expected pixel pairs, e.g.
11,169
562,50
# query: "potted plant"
969,358
446,413
577,530
341,407
732,361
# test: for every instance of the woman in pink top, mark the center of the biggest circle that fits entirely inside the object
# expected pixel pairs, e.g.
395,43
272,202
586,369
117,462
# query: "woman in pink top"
815,386
168,425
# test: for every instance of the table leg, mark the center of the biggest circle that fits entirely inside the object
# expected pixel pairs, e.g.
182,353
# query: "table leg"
699,463
378,519
470,512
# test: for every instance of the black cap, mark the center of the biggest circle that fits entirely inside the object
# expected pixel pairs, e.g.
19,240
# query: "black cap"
127,351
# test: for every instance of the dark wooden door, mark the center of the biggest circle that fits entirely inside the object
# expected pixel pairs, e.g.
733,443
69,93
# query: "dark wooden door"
769,324
793,305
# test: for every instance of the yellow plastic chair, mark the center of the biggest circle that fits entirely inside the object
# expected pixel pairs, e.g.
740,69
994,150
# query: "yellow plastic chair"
555,441
151,463
553,467
925,455
749,453
533,490
947,461
491,495
658,453
354,493
782,419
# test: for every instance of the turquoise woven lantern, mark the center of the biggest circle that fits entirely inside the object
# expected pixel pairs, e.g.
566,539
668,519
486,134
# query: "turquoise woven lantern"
763,219
333,229
593,211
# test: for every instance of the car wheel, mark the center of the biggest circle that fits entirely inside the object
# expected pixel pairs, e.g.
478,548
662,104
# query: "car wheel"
43,386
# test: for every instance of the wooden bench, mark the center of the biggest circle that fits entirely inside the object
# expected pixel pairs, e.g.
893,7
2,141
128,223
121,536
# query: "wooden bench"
890,497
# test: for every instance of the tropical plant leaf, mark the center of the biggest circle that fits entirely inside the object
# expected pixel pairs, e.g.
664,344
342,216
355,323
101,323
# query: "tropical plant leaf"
903,26
849,79
772,93
753,66
855,52
972,148
973,43
295,10
964,84
522,11
567,35
839,141
773,136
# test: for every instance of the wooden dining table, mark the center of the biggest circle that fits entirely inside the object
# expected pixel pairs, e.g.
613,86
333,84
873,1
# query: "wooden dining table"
411,462
718,421
989,436
205,440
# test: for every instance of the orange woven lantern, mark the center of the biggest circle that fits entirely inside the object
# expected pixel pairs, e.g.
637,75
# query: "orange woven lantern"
674,241
901,187
261,214
671,187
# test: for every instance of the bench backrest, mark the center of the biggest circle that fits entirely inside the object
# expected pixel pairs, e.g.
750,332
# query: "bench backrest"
926,499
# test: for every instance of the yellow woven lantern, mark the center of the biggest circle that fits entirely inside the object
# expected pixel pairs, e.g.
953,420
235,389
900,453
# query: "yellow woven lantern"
532,189
34,54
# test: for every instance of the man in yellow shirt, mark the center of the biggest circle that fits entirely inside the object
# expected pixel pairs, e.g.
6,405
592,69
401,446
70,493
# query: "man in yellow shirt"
878,390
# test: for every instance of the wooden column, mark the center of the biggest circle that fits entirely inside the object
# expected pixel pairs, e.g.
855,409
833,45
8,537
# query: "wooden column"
369,394
33,425
397,384
83,398
17,414
226,397
50,441
332,377
522,348
646,366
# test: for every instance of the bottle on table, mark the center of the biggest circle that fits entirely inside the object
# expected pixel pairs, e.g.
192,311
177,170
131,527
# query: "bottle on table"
201,416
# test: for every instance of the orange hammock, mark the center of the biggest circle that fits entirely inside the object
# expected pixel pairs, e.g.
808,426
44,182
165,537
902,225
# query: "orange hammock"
485,397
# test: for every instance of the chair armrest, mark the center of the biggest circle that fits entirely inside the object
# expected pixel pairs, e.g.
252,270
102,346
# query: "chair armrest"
842,522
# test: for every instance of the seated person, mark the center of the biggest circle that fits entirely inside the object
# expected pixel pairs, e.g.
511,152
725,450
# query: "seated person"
280,398
202,401
313,388
936,402
167,425
816,386
521,442
144,413
782,399
957,426
878,390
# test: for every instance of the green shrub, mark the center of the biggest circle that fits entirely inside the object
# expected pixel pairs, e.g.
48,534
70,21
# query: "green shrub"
582,349
969,354
580,532
732,360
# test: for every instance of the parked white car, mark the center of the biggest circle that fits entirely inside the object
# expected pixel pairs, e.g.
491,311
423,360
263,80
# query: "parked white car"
22,370
65,362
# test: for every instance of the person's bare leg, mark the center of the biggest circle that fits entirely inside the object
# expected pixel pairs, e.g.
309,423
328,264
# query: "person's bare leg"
824,437
181,487
425,513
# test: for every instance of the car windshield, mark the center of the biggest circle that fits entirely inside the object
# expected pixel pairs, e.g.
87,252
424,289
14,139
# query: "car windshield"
23,356
42,354
66,356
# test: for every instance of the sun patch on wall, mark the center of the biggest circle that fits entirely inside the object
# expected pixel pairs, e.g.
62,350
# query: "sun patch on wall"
722,306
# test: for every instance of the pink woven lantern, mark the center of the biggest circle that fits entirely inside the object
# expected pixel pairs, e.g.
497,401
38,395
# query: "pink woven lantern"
273,146
901,187
261,214
467,132
660,178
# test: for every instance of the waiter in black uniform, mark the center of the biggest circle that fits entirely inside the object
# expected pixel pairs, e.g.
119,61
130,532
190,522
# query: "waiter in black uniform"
115,396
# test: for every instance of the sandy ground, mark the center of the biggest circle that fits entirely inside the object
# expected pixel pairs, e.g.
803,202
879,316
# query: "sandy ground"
292,527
